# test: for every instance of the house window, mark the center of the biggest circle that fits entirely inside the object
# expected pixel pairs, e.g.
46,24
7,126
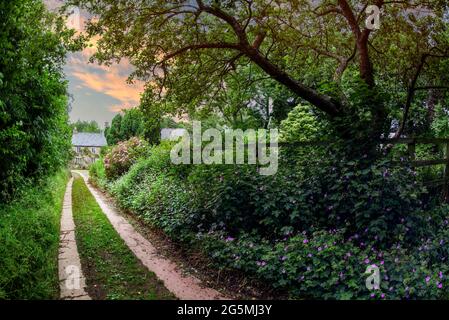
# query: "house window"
78,149
94,150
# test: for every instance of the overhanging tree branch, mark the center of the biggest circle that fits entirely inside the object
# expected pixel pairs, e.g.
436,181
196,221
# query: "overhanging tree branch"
218,45
361,38
323,102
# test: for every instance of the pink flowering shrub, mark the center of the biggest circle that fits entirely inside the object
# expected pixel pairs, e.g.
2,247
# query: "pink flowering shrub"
123,156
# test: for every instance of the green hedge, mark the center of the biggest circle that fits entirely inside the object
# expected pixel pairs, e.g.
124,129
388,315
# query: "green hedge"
311,230
29,237
35,136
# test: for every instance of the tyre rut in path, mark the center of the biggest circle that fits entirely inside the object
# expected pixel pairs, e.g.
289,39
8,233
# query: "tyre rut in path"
184,287
72,282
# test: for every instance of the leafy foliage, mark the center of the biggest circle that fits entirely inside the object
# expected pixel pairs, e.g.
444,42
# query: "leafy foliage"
34,130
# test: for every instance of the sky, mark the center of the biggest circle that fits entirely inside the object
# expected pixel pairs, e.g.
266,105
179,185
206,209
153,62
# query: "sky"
98,92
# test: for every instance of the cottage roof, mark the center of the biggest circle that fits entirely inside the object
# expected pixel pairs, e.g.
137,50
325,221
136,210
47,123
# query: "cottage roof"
85,139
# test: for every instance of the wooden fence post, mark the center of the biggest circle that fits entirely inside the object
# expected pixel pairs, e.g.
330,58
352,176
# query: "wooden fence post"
411,150
446,173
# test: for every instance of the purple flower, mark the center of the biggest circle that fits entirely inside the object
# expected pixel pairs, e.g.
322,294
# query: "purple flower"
229,239
372,295
305,241
439,285
261,263
440,274
319,249
382,295
366,261
382,262
427,279
310,255
283,258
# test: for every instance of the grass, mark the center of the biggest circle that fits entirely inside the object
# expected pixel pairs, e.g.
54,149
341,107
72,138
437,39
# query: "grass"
29,241
111,269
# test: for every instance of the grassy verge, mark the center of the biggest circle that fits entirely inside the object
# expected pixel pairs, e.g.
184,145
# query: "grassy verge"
29,241
111,269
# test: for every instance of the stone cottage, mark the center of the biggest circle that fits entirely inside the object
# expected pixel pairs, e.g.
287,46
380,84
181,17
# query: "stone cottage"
86,147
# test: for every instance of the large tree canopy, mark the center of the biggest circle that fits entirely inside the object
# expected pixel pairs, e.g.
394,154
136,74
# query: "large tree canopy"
186,50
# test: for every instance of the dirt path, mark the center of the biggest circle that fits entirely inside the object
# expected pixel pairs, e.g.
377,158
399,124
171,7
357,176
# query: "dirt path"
71,278
184,287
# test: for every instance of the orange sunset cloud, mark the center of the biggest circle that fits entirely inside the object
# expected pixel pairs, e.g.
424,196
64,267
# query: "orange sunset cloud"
108,80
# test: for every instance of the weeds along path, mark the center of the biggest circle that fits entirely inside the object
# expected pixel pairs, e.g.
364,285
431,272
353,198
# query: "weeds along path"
72,281
184,287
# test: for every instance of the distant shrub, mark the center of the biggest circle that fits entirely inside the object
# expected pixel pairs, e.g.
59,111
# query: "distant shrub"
302,124
97,173
123,156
